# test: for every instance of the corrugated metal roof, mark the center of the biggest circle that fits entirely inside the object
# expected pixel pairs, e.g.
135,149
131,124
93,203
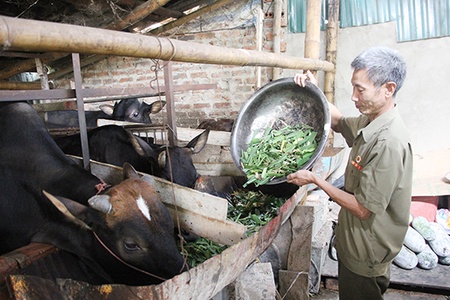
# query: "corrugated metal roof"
423,19
416,19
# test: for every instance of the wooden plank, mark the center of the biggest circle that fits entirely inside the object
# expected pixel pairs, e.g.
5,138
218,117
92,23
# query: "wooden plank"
60,105
217,169
192,200
202,282
171,194
23,257
219,138
299,257
223,232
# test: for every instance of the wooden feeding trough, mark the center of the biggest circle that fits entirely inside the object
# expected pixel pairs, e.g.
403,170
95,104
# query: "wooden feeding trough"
198,212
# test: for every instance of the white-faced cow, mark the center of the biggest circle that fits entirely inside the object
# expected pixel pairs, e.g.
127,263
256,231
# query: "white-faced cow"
128,218
115,145
131,110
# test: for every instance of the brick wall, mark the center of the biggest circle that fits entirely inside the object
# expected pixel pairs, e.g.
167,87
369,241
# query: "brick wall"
233,27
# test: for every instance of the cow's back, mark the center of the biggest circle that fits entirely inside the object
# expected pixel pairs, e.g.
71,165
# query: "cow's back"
30,161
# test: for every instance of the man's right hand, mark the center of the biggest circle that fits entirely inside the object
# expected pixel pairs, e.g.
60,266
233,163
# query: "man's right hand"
300,78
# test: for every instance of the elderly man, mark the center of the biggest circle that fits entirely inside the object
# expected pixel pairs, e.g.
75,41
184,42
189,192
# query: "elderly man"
375,202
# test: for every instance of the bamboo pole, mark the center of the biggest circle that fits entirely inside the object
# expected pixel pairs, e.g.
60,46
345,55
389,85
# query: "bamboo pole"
331,52
276,34
33,35
312,36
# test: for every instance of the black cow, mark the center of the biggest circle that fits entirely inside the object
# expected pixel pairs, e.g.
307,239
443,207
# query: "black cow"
115,145
128,218
131,110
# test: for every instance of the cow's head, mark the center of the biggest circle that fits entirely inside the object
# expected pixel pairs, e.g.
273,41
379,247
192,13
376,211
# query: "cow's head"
133,110
135,225
172,163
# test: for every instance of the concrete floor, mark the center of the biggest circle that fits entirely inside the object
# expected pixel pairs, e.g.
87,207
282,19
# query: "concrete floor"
331,293
325,294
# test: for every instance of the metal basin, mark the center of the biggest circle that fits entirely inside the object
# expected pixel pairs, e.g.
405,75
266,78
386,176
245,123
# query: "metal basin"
279,102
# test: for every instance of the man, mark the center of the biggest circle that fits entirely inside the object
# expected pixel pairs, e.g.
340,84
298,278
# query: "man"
375,202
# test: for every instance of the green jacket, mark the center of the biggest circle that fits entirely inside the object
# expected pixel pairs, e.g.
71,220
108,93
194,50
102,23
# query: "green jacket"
379,174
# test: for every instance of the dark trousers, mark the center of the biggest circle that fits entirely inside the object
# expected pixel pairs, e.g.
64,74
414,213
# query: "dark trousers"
357,287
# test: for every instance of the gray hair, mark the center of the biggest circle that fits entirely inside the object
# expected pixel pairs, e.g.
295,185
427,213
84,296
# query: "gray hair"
382,65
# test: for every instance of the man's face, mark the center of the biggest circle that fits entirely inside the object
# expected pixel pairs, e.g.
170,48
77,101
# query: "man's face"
369,100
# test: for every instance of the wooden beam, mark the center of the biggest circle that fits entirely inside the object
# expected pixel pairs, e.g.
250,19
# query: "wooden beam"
100,94
27,65
18,85
191,16
136,15
47,36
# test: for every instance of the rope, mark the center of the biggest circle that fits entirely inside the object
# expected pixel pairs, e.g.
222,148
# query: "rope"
102,186
292,283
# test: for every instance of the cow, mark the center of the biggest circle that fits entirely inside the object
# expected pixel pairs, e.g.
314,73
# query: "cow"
46,197
131,110
115,145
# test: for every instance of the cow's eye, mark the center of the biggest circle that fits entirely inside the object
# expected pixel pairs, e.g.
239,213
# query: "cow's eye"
131,246
135,114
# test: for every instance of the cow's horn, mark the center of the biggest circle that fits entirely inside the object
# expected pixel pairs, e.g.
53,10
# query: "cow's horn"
162,159
100,203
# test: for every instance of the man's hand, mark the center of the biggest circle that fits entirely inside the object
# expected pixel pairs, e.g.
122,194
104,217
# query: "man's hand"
301,78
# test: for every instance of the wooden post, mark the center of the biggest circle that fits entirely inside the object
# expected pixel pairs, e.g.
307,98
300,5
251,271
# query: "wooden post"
276,34
294,282
42,71
259,43
331,52
312,36
80,108
332,41
170,104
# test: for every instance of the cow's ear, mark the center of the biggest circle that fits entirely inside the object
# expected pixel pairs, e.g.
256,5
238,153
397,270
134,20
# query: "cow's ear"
157,106
129,172
107,109
198,143
141,147
148,178
74,211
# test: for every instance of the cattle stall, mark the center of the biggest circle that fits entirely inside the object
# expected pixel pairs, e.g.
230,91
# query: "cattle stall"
196,211
221,270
